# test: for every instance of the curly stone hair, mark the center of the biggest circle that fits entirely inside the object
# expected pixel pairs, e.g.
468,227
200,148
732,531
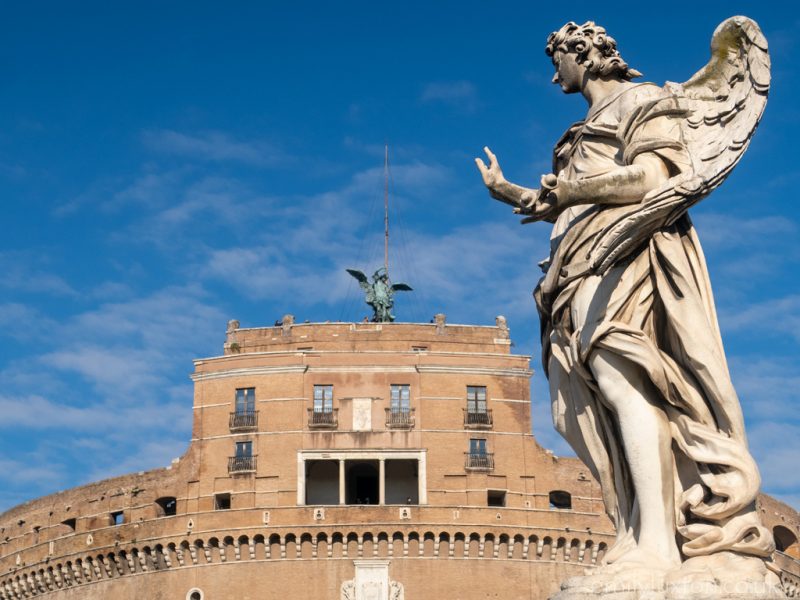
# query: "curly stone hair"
596,50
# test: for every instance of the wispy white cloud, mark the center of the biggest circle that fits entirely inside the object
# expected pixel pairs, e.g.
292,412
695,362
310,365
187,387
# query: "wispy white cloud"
214,146
461,95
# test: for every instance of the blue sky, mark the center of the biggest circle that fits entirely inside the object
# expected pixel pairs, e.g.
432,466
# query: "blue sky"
165,167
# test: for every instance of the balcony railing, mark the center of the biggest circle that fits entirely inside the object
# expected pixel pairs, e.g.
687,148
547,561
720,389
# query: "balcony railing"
323,419
243,421
477,419
241,464
479,461
399,419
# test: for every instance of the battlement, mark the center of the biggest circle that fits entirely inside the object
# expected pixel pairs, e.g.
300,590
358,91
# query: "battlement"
436,336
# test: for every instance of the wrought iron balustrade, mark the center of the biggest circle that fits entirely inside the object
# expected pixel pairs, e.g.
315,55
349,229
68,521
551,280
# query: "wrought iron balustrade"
323,419
241,464
399,419
479,461
477,419
243,421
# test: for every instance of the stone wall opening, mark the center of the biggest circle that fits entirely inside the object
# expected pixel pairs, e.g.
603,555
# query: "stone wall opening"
362,482
402,481
322,482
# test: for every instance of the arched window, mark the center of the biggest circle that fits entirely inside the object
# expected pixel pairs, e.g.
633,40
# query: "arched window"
195,594
786,541
560,500
167,506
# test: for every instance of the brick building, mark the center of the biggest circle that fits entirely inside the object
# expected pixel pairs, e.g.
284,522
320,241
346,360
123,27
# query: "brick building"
338,460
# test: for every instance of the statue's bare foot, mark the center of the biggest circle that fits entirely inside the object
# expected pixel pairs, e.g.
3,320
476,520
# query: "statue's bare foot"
637,574
723,576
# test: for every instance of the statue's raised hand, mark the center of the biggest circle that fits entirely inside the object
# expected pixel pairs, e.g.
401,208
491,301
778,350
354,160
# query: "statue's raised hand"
499,187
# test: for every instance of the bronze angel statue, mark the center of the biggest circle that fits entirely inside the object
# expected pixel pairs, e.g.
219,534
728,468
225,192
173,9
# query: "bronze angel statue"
639,383
380,293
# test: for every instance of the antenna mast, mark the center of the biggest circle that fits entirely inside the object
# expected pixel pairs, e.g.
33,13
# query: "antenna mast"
386,209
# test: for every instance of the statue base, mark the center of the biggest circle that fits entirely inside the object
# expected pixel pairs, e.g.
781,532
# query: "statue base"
722,576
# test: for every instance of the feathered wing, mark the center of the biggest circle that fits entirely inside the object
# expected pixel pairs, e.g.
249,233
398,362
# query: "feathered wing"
401,287
720,108
362,279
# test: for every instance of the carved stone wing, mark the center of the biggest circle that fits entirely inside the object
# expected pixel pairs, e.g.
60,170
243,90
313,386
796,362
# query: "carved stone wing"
720,108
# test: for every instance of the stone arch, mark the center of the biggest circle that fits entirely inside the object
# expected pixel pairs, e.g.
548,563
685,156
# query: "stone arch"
786,541
489,544
306,546
588,552
351,549
574,550
459,546
444,547
547,548
259,544
428,543
368,548
383,548
474,545
323,546
274,546
337,545
397,543
413,544
503,546
166,506
518,546
560,500
602,548
290,545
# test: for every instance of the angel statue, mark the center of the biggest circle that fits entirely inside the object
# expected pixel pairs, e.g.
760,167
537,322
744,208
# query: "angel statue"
380,293
639,383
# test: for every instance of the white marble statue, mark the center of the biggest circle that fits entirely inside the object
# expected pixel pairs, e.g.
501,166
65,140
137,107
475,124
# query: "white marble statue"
638,378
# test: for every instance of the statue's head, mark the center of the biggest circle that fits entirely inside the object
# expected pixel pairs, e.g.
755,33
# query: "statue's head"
380,275
589,46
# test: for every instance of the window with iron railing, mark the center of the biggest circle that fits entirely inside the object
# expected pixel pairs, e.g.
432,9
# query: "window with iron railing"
323,398
322,415
400,415
245,415
478,458
243,461
476,415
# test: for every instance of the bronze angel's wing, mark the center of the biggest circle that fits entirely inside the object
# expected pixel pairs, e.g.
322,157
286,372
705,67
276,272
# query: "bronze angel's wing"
401,287
362,279
719,109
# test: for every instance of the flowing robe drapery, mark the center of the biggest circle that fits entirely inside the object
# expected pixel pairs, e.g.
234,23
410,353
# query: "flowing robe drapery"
654,309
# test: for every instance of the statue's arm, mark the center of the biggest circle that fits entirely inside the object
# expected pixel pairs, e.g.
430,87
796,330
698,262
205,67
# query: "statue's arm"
527,201
624,185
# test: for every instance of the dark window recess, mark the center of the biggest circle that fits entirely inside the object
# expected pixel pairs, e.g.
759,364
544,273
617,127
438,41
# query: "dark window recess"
71,523
222,502
495,497
559,499
168,506
117,518
245,400
196,596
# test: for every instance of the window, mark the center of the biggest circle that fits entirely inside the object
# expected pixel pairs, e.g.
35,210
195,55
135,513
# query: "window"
244,449
70,523
560,500
117,518
401,398
167,505
222,502
245,400
476,399
323,398
477,446
495,497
